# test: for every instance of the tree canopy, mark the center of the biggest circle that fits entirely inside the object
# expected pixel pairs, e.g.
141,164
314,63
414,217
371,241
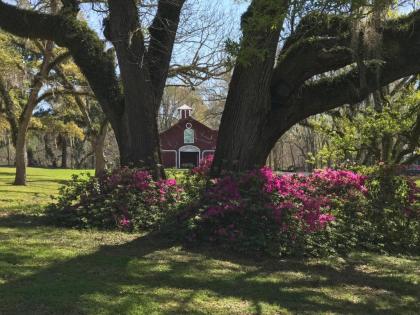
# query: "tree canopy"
294,60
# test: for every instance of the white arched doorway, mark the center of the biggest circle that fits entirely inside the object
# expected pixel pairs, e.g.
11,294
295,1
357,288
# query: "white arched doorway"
188,156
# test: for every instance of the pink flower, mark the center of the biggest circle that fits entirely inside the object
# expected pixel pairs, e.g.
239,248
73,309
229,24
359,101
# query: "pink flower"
124,222
171,182
205,165
326,218
142,179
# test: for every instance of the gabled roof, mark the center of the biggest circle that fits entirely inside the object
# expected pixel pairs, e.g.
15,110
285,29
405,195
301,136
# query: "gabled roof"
184,120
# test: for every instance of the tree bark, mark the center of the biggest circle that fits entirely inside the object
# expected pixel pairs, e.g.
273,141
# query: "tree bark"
98,145
21,159
64,151
8,149
240,143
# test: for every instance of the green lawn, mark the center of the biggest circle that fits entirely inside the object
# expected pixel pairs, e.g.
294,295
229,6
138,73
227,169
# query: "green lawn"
41,184
46,270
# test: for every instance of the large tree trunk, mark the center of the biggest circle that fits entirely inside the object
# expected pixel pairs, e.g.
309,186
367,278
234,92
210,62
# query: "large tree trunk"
241,144
137,135
21,158
255,117
143,74
98,145
64,151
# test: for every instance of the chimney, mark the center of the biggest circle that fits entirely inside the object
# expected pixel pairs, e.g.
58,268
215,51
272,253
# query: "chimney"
184,112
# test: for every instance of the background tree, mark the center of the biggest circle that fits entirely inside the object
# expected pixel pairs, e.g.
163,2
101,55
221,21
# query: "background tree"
20,98
383,128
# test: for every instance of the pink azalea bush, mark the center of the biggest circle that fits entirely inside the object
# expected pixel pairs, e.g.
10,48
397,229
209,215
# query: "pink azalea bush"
204,167
326,212
126,199
261,211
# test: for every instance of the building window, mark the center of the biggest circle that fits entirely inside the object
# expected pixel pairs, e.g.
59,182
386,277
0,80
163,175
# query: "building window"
188,134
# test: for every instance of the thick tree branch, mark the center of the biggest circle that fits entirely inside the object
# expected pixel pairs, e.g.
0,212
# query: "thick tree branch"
306,59
58,60
399,58
87,49
124,31
53,93
162,37
323,43
326,94
318,25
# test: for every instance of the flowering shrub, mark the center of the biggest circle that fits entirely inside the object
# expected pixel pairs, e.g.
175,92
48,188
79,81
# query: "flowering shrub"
127,199
278,215
204,167
326,212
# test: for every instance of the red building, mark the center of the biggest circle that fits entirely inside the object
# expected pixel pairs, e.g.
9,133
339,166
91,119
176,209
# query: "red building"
187,142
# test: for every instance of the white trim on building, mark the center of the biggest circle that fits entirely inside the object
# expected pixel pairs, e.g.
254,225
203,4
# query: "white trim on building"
188,148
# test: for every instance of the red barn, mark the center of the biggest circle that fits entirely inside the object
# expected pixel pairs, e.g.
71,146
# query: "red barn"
187,142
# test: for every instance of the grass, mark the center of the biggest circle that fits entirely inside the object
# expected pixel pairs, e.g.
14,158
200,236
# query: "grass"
41,184
47,270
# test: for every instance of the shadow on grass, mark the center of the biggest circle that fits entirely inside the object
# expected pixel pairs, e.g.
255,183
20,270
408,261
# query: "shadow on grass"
152,274
17,220
30,182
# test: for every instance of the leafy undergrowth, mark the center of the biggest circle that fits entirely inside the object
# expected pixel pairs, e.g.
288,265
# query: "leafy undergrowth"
45,270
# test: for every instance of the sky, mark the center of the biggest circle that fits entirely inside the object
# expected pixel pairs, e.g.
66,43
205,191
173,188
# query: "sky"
231,7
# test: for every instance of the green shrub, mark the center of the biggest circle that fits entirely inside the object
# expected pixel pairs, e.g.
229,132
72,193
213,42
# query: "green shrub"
127,199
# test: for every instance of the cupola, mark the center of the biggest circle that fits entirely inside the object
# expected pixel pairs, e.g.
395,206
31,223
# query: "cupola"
184,111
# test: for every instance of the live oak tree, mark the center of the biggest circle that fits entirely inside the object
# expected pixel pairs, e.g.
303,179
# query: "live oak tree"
132,110
323,64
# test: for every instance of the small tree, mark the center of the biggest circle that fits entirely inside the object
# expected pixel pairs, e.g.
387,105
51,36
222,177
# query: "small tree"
383,128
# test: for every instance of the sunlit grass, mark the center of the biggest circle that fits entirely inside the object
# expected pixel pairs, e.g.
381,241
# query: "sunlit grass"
47,270
41,184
